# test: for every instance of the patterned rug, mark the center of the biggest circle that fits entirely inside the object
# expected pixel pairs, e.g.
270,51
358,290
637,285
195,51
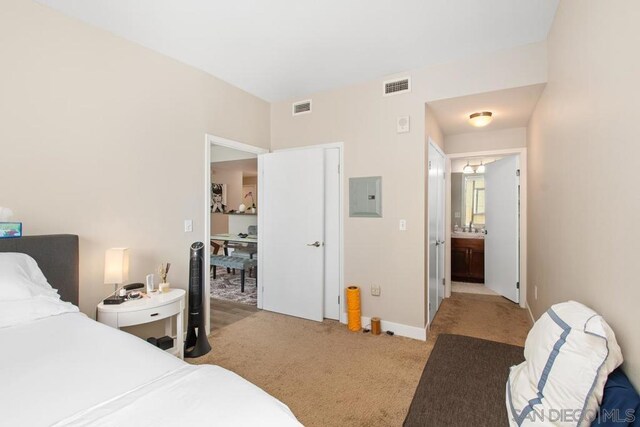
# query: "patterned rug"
227,286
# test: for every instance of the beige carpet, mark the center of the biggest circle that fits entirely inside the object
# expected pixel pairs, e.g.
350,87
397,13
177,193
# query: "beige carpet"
329,376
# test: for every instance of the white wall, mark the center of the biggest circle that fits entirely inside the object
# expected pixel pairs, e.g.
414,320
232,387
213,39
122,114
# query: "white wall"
583,157
376,251
105,139
486,141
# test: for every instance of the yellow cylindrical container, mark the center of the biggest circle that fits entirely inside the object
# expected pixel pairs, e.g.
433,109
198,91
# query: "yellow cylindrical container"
375,326
353,308
353,298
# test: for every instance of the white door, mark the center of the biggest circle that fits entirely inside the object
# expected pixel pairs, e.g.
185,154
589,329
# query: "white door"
502,242
332,234
436,202
292,209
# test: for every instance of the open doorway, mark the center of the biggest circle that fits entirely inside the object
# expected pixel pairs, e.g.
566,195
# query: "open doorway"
232,212
488,234
234,226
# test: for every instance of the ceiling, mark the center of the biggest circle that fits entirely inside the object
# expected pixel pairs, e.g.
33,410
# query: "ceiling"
249,167
282,49
510,107
223,154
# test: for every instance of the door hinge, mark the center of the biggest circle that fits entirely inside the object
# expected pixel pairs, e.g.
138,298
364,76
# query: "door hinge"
429,164
338,299
517,285
443,282
338,167
518,172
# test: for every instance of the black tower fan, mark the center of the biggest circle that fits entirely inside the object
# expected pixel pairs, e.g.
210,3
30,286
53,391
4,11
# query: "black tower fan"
196,344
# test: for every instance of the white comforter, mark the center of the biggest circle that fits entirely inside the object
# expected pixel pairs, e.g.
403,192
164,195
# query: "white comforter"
66,369
190,395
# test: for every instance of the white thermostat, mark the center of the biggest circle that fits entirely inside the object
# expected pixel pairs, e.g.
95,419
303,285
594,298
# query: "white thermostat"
403,124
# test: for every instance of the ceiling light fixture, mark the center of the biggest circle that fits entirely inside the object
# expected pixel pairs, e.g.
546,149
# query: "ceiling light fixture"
481,168
481,119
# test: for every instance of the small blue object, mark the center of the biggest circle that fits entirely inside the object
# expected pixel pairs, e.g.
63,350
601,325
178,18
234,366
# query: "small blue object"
9,230
620,403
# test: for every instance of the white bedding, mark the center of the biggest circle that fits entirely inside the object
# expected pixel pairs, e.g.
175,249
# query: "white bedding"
67,369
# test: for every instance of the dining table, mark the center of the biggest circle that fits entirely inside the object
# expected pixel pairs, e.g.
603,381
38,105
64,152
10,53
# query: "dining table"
234,238
250,240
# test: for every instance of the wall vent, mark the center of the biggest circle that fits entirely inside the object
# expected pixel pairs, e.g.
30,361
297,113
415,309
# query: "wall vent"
301,107
394,87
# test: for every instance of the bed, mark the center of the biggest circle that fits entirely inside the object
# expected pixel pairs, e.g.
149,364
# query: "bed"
58,367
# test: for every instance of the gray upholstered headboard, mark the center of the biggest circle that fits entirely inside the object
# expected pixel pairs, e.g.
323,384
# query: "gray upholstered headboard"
57,256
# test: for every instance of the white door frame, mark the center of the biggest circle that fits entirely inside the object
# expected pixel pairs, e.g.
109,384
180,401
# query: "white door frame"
210,140
340,147
522,152
447,186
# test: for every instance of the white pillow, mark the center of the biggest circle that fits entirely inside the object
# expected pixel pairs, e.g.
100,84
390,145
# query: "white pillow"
569,353
21,278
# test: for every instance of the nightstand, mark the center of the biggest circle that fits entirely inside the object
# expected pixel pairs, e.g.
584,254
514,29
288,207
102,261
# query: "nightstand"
149,309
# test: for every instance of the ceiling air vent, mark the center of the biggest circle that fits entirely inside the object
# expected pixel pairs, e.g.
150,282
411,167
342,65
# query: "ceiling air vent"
394,87
301,107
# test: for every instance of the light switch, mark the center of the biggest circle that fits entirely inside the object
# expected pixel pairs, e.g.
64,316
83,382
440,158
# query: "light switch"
403,225
188,226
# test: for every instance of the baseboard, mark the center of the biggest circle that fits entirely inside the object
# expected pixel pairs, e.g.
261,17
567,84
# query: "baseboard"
530,314
399,329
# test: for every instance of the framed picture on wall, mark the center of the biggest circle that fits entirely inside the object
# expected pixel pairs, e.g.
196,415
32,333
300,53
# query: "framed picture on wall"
218,198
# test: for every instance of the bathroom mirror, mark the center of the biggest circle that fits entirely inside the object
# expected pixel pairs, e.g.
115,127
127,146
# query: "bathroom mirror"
473,200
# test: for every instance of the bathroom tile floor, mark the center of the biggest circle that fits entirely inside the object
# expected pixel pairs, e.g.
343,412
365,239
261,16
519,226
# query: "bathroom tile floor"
471,288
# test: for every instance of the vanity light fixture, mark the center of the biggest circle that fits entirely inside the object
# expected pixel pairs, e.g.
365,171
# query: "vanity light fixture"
481,119
481,168
468,169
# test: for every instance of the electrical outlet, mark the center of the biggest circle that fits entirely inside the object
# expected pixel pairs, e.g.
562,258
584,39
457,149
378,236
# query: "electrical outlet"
375,290
403,225
188,226
535,293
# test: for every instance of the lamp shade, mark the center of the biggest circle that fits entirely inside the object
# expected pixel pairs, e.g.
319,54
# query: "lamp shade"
116,265
5,214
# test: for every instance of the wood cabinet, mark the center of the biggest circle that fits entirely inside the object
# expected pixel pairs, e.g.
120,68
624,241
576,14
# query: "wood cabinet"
467,260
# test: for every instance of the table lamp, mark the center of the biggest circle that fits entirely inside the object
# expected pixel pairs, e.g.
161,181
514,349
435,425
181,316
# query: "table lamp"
116,266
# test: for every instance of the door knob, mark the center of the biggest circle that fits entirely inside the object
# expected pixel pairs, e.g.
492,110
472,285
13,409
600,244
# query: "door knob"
316,244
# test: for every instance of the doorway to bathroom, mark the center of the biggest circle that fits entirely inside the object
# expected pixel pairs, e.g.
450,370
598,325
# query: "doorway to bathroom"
487,214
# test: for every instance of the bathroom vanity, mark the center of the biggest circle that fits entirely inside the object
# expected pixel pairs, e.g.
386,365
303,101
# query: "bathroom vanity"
467,257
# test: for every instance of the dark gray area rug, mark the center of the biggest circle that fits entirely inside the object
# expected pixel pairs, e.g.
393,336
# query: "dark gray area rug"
464,383
226,286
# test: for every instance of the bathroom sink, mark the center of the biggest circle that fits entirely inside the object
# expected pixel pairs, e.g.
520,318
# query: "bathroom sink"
466,235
